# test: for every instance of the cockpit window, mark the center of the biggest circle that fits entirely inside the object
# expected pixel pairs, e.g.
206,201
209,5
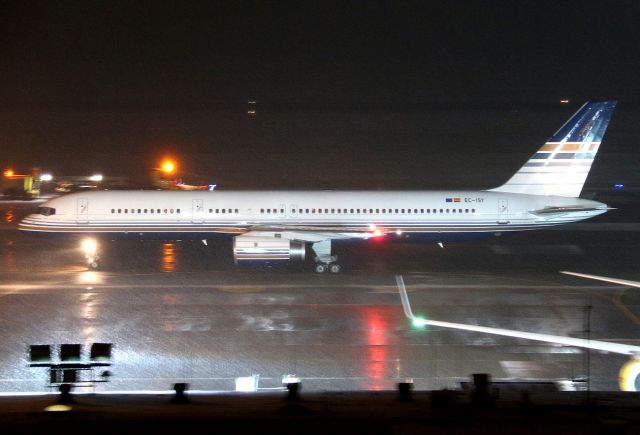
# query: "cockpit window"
46,211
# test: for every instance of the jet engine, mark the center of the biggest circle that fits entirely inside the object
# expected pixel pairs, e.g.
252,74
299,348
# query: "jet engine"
266,249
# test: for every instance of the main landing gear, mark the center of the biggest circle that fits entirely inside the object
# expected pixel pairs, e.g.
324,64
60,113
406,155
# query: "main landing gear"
324,260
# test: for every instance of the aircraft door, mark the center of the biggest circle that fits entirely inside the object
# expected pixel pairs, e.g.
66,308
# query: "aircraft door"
503,211
197,211
82,210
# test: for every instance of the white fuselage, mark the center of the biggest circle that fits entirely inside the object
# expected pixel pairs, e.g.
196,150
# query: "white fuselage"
342,214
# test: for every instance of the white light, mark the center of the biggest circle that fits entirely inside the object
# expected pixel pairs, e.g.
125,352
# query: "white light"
247,384
58,408
46,177
399,232
96,177
290,379
89,246
372,227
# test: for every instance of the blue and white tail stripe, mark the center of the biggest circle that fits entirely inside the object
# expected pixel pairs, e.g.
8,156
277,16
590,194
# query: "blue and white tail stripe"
561,166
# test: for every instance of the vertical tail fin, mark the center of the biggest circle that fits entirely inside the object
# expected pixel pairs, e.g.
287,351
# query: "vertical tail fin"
561,166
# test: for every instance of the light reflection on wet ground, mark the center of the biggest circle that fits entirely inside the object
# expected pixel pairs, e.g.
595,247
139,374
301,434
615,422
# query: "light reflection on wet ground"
9,216
168,257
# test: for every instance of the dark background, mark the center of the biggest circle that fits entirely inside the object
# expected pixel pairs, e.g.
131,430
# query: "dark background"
357,94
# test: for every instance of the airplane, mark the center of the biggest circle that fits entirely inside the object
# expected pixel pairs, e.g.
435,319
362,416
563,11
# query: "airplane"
276,226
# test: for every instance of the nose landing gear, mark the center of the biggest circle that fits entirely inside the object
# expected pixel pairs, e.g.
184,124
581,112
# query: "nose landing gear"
93,263
90,249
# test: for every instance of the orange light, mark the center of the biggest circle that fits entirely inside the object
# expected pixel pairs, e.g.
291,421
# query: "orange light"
8,173
168,166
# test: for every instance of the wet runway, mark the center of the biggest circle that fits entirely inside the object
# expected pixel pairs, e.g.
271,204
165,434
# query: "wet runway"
182,312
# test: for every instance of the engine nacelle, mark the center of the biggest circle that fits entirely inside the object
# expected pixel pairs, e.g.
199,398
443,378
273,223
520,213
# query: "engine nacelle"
256,249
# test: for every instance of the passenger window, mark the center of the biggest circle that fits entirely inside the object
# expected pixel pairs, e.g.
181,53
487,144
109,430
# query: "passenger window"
126,210
151,211
158,210
171,211
236,210
113,210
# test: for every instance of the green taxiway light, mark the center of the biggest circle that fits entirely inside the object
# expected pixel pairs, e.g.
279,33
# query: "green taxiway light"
419,322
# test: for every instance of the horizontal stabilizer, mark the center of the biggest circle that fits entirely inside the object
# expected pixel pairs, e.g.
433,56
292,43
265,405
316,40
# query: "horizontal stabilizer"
562,210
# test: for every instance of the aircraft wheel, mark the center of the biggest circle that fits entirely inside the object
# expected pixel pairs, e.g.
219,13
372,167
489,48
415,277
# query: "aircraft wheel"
321,268
335,268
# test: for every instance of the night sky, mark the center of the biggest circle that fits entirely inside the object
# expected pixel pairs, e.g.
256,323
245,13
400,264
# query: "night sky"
368,94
